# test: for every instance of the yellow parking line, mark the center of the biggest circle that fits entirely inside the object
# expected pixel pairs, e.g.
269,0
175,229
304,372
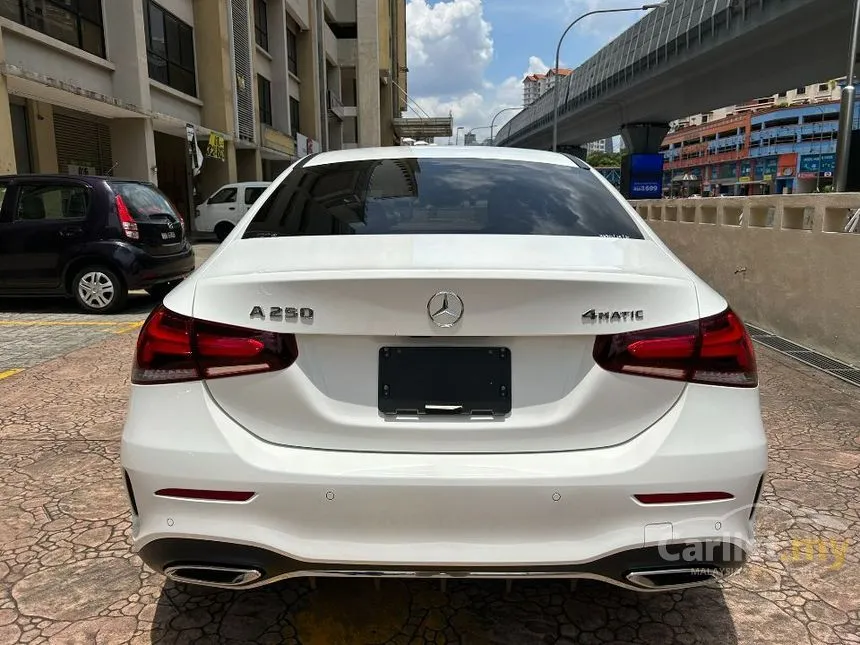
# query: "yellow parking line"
65,323
9,373
127,327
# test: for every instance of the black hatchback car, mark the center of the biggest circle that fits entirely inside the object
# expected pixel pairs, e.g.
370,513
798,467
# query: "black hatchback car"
90,238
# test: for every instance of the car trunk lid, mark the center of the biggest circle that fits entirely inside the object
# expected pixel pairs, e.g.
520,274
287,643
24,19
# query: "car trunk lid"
534,306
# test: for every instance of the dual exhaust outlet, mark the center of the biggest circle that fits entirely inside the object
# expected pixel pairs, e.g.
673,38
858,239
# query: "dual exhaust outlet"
670,579
213,575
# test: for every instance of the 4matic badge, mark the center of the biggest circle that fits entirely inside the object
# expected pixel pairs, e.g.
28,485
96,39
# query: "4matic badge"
593,316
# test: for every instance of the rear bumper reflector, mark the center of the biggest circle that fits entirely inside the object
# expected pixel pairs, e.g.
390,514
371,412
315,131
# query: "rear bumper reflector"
215,495
681,498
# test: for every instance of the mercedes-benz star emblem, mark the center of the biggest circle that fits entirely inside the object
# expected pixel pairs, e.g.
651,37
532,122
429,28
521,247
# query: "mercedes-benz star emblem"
445,308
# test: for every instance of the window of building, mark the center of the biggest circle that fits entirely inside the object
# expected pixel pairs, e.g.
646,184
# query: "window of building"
170,50
824,87
292,52
344,29
294,117
75,23
264,96
261,23
801,91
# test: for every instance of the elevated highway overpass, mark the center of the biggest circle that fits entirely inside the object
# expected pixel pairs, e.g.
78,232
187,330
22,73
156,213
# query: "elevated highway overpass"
691,56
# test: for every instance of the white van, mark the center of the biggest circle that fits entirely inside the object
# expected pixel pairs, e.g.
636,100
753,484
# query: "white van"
220,213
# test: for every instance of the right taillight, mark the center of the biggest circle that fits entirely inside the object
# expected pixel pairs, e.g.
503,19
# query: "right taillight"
716,350
173,348
129,226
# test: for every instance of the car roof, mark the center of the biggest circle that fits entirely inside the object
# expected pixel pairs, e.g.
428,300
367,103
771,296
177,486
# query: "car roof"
90,179
443,152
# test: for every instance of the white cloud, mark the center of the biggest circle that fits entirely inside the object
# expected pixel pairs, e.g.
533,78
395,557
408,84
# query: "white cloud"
450,46
537,66
605,27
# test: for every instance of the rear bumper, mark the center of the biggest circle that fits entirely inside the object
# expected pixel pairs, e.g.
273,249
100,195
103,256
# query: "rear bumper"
317,512
145,270
224,564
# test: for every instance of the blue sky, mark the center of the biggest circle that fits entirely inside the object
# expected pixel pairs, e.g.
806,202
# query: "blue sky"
470,56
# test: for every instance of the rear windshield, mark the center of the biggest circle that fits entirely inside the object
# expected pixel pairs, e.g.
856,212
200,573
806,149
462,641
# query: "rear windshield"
144,201
408,196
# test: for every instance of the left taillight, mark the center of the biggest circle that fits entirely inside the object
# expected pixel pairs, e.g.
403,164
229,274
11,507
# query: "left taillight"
173,348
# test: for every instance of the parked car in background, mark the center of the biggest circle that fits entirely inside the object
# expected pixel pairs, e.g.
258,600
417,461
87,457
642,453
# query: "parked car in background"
223,210
93,239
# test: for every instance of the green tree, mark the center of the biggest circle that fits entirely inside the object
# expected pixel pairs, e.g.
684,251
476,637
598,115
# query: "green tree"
605,159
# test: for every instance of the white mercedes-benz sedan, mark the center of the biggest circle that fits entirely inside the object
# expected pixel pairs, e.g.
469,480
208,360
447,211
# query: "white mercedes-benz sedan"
443,361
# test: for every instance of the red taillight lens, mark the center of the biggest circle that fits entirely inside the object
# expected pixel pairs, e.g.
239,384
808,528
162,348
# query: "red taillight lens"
129,226
715,350
172,348
212,495
683,498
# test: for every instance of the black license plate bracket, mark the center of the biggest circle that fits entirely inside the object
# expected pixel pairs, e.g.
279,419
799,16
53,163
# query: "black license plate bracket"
445,381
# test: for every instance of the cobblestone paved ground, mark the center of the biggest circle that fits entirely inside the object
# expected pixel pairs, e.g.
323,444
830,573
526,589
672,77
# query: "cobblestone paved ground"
67,576
35,330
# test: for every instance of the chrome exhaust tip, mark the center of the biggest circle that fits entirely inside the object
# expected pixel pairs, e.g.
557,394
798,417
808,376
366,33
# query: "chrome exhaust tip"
212,575
669,579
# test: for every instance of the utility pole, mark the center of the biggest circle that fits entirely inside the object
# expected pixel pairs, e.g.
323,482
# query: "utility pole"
846,112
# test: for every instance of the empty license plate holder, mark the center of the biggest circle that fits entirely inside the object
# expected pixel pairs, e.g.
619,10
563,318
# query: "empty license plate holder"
445,381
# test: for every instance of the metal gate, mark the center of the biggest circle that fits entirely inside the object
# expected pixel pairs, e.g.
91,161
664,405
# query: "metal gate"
83,146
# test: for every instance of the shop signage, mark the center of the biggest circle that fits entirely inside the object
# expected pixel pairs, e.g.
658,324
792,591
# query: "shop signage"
646,176
305,146
277,140
216,148
80,169
818,163
765,169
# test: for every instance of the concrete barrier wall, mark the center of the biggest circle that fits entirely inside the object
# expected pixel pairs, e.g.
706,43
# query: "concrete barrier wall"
782,261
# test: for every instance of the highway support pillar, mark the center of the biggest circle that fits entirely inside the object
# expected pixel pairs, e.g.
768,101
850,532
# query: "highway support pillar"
644,138
642,166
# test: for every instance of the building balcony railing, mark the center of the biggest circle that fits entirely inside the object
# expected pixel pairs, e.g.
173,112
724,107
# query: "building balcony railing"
708,159
335,106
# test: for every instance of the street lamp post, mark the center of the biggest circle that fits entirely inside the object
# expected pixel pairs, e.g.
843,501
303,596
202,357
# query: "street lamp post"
645,7
493,123
846,112
480,127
